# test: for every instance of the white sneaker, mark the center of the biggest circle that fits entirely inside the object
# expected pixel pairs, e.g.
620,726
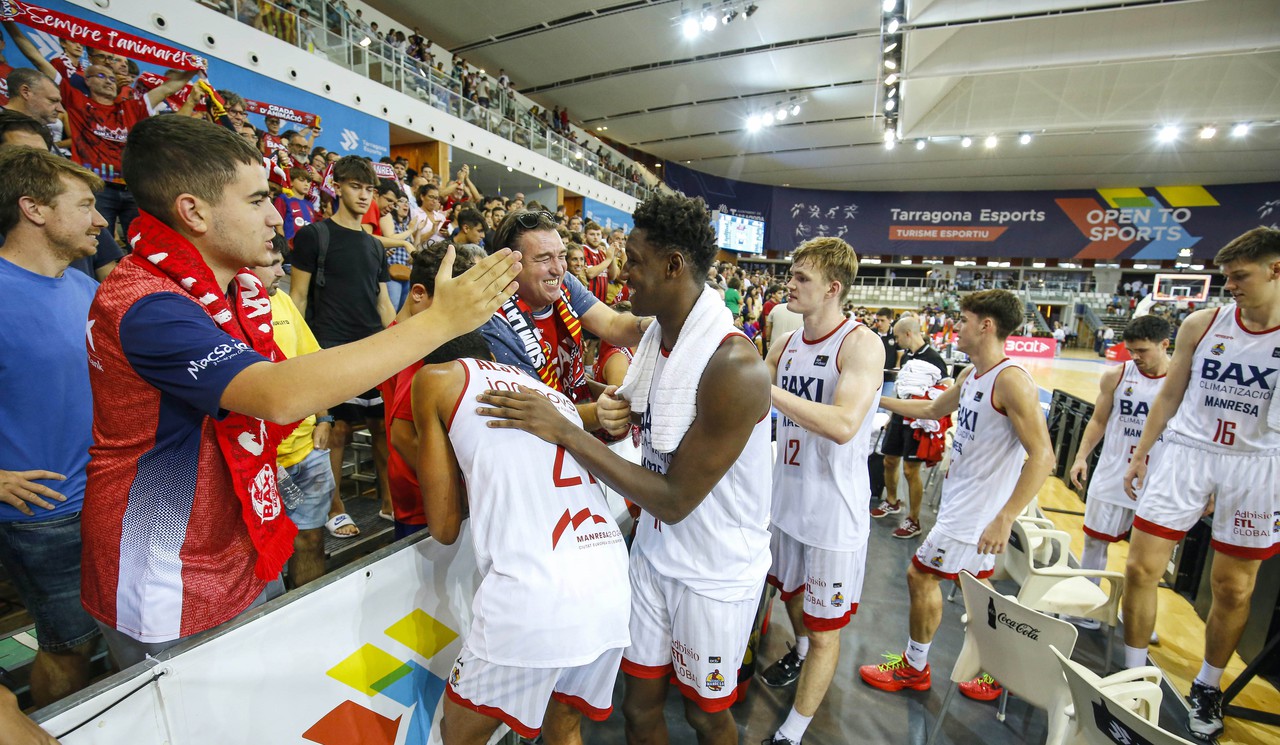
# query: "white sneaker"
1089,624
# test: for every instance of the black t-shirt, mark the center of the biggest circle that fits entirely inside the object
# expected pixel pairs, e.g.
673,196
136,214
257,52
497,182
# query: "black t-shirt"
354,267
890,354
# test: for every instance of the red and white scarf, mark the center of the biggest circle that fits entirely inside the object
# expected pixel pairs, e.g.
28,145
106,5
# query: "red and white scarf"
248,444
545,359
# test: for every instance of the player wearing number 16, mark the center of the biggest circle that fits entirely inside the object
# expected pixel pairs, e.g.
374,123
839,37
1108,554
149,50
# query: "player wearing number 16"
1221,431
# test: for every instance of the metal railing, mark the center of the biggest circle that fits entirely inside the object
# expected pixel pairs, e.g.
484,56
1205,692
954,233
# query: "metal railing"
328,33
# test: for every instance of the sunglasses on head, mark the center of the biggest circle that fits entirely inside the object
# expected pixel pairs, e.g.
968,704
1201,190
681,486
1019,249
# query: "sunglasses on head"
530,220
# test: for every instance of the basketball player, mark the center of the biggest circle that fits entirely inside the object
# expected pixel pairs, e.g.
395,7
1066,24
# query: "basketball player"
702,549
1124,398
1222,440
828,376
550,617
988,484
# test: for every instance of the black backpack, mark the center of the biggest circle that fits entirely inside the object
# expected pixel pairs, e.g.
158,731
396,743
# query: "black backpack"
317,279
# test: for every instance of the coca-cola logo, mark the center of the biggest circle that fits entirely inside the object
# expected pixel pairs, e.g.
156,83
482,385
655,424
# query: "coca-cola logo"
996,620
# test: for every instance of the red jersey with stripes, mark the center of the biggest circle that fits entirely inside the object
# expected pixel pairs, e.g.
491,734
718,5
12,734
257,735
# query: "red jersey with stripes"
166,553
1130,403
986,458
554,591
99,131
721,549
820,487
1234,374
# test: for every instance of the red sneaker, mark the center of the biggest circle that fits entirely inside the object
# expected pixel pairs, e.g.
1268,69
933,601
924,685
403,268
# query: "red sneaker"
982,688
908,529
895,675
885,508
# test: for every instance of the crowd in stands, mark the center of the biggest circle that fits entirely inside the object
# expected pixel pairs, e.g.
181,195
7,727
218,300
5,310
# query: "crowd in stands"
444,80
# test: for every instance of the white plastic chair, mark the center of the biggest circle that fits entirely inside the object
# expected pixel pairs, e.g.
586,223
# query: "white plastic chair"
1101,714
1058,587
1136,689
1012,644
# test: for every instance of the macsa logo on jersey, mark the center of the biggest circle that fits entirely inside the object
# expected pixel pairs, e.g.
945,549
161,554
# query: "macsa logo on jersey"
715,681
1218,349
218,354
803,386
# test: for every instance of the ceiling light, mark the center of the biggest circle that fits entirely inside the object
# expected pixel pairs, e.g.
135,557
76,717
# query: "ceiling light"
781,115
509,169
891,92
1240,130
1168,133
891,47
889,136
893,26
890,143
991,141
729,16
767,118
365,42
753,123
919,144
601,129
889,5
891,104
795,109
751,9
1208,131
577,154
891,78
691,27
889,64
966,141
708,22
1024,138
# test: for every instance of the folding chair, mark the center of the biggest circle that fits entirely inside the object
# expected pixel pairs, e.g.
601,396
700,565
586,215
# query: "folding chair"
1012,644
1101,716
1058,587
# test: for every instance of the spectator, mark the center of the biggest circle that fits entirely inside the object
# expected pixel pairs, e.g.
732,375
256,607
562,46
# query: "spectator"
470,227
576,262
35,95
100,123
21,130
780,321
433,224
884,327
294,209
599,257
48,218
355,303
733,296
200,486
304,454
540,329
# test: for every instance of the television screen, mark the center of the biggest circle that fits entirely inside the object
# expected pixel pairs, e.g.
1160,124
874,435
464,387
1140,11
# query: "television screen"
739,234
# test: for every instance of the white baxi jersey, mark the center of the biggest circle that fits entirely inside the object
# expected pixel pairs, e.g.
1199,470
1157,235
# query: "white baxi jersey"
1234,374
554,591
1131,401
721,549
820,487
986,459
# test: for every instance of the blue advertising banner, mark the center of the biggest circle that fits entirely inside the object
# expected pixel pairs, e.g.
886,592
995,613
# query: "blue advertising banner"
1188,222
345,130
606,216
1167,222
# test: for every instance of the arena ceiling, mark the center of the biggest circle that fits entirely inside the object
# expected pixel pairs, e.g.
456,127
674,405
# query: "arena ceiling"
1091,82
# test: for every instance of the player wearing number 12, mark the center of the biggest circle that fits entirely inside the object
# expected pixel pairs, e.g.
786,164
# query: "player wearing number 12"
1221,429
827,378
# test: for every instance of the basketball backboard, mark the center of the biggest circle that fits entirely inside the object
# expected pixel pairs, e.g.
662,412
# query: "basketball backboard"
1186,288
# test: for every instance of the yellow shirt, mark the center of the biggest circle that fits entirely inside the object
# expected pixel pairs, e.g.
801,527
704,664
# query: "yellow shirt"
294,338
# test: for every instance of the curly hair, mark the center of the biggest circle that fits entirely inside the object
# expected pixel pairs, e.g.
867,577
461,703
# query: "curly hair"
677,222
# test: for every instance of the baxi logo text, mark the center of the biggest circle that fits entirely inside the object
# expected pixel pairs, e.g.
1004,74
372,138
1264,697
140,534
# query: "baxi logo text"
1234,372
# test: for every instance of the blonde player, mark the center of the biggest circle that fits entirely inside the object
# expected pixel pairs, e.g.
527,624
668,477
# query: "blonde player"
1124,399
827,382
1221,432
551,613
998,419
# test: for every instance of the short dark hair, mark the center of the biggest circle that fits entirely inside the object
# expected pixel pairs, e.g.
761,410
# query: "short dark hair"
1001,306
36,174
1259,244
426,265
27,76
516,224
354,168
590,225
885,313
14,121
470,216
677,222
299,173
470,345
385,185
1148,328
170,155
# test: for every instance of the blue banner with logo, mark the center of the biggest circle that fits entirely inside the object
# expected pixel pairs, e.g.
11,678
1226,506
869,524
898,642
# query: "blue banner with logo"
344,130
606,216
